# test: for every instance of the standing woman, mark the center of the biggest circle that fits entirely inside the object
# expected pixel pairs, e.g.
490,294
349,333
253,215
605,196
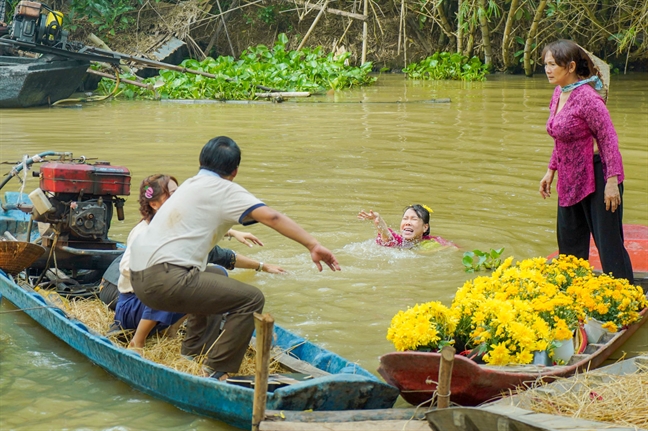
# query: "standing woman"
587,158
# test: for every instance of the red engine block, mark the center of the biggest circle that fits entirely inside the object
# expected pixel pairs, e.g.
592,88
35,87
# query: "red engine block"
100,179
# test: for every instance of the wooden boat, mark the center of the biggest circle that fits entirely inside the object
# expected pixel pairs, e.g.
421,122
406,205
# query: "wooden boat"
26,82
337,384
517,412
415,373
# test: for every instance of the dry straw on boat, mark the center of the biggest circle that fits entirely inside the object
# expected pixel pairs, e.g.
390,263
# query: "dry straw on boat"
162,349
595,395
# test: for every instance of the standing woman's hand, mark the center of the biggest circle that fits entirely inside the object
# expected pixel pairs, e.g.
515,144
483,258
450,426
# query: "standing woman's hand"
612,195
545,184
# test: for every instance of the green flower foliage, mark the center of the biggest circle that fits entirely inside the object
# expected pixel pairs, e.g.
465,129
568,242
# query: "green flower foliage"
477,260
306,70
445,65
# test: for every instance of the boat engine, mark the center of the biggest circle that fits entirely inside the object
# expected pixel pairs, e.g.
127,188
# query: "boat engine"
36,23
74,207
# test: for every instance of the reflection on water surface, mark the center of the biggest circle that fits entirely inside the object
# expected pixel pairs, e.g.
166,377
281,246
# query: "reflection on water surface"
476,161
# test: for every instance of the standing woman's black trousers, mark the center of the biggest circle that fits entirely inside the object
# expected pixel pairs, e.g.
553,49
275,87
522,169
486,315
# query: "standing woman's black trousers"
576,222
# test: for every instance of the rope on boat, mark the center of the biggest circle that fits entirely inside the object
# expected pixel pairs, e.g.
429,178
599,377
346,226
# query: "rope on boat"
95,98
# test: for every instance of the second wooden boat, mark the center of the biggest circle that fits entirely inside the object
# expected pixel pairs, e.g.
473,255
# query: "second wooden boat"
415,373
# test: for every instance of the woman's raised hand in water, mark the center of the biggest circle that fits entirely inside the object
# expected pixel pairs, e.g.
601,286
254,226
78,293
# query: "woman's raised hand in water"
371,215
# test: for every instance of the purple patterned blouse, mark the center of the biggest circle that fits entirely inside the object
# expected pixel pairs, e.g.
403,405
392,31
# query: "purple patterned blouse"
583,118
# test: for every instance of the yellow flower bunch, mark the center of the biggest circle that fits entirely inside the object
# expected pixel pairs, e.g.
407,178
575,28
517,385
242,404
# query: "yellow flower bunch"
609,300
508,331
424,327
521,308
565,270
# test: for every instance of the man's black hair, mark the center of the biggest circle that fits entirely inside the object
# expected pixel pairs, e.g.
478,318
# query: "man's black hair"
220,155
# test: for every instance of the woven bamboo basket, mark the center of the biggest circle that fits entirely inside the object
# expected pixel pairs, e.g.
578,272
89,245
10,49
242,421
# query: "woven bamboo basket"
18,255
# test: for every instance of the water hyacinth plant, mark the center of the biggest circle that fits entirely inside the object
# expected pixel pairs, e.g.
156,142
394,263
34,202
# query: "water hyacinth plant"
477,260
311,70
446,65
533,305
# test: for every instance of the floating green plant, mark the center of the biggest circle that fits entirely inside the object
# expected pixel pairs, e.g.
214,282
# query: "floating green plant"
310,70
478,260
445,65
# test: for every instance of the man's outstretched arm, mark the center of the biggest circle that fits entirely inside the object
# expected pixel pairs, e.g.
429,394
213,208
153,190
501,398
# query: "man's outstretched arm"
290,229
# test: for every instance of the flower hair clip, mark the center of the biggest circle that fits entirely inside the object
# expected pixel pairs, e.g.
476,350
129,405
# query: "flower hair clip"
148,192
427,208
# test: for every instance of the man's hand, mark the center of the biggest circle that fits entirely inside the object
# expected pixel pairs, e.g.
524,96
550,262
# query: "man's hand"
320,253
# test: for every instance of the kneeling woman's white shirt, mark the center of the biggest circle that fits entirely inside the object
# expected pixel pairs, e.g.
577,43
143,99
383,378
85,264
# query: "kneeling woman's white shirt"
124,283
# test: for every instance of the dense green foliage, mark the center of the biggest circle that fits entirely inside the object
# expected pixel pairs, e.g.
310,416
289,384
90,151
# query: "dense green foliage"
309,70
444,65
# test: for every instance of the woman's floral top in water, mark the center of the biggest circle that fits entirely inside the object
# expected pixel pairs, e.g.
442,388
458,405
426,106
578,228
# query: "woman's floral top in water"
583,118
397,240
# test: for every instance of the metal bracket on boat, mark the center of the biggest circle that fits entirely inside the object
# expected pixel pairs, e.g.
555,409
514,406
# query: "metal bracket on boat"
30,161
90,252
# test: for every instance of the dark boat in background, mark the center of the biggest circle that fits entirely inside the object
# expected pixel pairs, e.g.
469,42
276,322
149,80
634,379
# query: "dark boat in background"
26,82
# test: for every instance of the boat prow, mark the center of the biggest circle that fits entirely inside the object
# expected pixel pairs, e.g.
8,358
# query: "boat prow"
27,82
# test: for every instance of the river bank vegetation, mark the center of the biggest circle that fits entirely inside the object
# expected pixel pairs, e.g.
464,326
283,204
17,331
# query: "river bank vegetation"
507,35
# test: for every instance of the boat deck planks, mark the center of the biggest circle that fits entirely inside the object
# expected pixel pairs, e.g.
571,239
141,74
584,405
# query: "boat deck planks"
396,419
503,417
387,425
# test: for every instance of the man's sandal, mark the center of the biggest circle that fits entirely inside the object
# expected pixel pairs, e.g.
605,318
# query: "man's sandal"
221,376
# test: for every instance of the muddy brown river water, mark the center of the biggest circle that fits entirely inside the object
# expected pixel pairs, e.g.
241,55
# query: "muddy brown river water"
476,161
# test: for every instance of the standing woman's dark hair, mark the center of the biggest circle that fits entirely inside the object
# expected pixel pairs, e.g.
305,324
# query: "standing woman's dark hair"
423,214
152,189
565,51
220,155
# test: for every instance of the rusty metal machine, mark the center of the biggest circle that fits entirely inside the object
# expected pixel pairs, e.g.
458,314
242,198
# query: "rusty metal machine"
37,23
72,209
